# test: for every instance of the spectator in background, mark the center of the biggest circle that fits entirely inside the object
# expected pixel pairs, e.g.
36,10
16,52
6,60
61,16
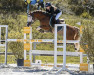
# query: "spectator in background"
40,3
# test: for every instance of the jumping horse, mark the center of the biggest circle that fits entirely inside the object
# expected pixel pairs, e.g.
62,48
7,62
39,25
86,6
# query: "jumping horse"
46,23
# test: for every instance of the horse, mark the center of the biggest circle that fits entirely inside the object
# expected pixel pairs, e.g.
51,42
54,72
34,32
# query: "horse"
72,32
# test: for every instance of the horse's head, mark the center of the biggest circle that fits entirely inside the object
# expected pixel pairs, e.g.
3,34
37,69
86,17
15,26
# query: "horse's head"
30,19
36,15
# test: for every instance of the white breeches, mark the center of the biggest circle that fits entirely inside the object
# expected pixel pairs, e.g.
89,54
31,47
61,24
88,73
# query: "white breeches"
58,15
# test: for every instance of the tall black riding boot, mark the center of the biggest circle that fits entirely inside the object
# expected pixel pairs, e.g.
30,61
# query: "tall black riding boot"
57,21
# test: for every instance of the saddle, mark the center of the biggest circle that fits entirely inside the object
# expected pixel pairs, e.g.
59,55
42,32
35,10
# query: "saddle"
52,22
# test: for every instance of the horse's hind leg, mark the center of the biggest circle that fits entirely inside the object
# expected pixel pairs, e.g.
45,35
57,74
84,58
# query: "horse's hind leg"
77,46
77,37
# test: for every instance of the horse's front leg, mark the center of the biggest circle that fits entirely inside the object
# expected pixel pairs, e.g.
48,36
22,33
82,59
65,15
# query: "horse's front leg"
77,46
40,29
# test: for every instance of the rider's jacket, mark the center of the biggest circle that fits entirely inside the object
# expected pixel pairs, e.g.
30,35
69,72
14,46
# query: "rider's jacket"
53,10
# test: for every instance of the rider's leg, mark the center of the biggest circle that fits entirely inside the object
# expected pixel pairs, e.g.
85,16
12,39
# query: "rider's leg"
57,17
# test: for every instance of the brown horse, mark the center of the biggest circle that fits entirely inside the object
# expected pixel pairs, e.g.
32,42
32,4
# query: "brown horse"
72,33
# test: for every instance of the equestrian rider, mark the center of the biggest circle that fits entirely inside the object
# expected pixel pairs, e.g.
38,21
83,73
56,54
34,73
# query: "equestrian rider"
53,11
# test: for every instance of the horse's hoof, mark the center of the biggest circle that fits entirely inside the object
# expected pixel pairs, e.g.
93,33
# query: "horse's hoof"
76,50
38,28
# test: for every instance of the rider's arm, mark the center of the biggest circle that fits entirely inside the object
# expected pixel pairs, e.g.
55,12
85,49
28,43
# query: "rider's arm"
52,11
47,11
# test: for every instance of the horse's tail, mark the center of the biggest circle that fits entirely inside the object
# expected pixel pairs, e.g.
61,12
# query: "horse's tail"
77,33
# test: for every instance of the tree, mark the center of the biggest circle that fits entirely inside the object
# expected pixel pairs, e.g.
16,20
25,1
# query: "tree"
79,6
12,5
87,41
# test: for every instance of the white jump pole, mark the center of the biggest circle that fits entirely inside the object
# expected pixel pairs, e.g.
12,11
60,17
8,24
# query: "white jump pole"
24,50
28,30
6,37
6,47
64,51
30,51
81,57
64,47
55,47
0,35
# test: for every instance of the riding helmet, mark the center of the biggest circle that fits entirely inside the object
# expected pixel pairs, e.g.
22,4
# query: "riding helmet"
48,4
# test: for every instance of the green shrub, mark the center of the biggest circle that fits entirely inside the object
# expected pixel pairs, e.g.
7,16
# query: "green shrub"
85,15
17,49
87,41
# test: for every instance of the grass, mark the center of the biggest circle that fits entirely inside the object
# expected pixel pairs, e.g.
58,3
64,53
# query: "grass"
46,59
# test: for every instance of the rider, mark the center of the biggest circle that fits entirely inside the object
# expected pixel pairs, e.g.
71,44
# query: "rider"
54,11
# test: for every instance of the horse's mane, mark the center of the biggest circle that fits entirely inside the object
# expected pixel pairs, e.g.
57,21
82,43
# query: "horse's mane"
40,11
